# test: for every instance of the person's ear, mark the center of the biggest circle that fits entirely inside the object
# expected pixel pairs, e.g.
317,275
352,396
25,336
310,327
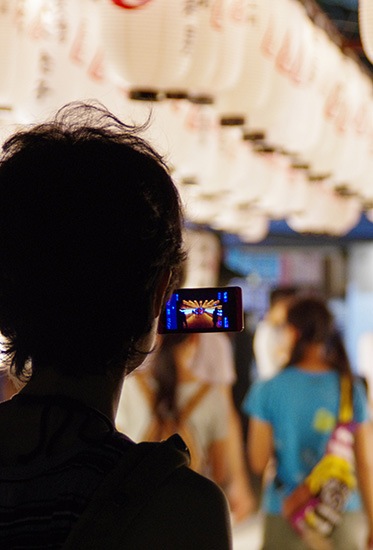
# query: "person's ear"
160,293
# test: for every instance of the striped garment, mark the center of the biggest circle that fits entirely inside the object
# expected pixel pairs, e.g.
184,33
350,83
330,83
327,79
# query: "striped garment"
41,501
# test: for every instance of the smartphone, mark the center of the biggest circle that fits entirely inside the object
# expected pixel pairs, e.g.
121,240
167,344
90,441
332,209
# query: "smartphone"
216,309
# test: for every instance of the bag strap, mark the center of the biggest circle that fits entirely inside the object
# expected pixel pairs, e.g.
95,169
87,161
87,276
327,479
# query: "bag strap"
193,402
346,409
188,407
143,382
125,491
345,414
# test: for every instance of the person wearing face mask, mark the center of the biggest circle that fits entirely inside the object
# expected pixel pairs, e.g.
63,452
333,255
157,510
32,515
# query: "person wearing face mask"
267,344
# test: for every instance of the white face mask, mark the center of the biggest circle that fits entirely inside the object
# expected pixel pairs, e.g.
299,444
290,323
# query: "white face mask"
271,348
287,337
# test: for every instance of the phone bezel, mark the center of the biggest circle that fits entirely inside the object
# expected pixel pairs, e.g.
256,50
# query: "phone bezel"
237,318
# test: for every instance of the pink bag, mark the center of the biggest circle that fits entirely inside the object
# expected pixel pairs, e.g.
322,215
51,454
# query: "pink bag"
316,506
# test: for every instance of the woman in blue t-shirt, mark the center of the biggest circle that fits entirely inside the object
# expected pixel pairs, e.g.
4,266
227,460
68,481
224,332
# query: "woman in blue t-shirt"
292,417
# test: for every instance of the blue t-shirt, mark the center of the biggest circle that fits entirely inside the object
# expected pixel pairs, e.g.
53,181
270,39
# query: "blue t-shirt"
302,408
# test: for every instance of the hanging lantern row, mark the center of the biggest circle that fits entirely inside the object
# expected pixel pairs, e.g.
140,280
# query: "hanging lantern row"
240,93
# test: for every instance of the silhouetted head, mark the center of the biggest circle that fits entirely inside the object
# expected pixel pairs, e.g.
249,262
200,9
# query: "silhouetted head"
90,240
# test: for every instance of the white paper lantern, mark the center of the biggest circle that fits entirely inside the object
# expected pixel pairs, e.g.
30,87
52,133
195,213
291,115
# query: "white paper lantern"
231,18
221,42
313,218
352,143
8,51
320,156
256,228
297,124
149,44
226,166
205,59
275,202
320,131
198,152
200,209
363,185
91,60
245,188
59,57
345,215
299,192
208,46
313,114
369,215
289,118
252,88
28,63
8,124
343,149
366,27
148,109
250,224
172,118
282,47
327,212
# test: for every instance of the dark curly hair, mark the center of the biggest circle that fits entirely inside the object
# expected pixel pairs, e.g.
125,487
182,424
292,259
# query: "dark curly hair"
90,221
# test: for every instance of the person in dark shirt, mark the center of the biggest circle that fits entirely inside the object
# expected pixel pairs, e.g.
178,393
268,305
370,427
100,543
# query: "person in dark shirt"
90,249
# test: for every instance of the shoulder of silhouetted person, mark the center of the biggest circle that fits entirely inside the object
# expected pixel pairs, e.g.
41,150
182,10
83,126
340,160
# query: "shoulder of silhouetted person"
144,505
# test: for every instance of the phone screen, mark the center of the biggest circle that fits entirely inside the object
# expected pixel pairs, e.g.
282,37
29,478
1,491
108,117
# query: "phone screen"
203,310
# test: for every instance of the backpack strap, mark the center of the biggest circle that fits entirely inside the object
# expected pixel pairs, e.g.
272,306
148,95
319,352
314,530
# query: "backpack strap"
143,382
346,410
124,492
188,407
193,402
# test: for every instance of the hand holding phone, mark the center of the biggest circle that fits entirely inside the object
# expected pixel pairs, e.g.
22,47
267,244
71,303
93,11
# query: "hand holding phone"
216,309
